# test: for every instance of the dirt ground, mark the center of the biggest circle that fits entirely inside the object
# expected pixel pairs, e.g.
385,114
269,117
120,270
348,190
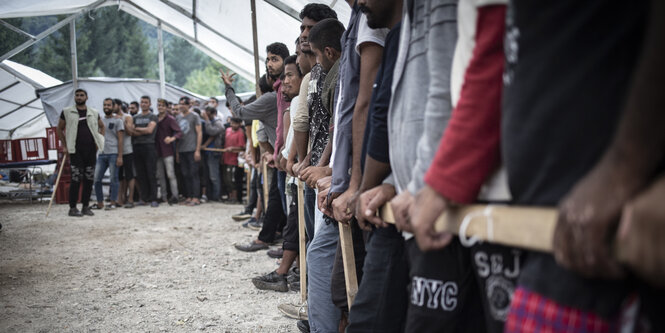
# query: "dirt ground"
166,269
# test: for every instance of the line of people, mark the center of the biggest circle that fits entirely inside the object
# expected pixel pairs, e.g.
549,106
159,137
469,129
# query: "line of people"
180,150
430,104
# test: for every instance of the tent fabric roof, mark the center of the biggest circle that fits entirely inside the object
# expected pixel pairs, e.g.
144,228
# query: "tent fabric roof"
222,29
21,111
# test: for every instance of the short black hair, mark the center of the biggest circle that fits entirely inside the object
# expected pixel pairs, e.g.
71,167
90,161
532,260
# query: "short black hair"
327,33
135,103
278,49
236,120
186,99
292,60
145,97
123,107
81,90
117,101
109,99
263,85
215,98
211,110
317,12
197,110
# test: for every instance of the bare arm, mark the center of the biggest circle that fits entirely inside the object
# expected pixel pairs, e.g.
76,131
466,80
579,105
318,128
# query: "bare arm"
100,124
60,130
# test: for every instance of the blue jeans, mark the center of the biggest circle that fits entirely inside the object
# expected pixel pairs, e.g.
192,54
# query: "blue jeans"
323,315
106,161
213,173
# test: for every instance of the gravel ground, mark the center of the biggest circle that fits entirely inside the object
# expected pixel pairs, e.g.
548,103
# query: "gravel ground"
166,269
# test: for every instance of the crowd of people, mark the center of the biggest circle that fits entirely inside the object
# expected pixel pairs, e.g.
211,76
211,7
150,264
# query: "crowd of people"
428,105
178,155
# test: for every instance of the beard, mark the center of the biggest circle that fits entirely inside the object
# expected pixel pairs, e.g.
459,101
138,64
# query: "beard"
80,103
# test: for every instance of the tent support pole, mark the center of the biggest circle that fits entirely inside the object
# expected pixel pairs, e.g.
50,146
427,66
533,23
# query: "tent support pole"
256,48
49,31
72,47
160,42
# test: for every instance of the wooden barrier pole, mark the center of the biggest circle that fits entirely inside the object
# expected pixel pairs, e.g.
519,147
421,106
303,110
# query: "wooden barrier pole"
57,181
349,260
219,150
523,227
303,242
265,186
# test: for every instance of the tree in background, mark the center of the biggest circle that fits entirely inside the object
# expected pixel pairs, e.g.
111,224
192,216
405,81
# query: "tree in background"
113,43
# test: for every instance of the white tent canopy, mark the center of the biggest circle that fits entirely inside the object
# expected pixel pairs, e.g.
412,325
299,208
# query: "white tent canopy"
222,28
21,112
58,97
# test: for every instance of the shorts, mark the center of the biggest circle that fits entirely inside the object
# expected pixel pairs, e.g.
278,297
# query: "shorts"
126,171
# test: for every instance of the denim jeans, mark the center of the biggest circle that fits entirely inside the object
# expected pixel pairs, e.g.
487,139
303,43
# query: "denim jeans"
166,163
213,172
323,315
106,161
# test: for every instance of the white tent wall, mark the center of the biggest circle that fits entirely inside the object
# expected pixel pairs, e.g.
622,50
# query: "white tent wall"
222,29
21,111
56,98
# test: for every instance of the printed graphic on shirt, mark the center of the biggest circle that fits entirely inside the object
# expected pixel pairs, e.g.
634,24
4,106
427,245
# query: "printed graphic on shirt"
498,270
184,124
511,46
435,294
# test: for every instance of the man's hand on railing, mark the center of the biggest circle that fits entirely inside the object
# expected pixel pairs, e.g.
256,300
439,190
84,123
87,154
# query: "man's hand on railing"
429,206
369,202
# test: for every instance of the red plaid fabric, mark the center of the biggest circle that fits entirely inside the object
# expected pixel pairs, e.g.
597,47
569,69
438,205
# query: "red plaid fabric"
531,312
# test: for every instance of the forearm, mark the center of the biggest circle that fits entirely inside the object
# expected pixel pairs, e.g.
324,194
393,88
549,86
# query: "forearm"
374,174
121,138
301,140
325,156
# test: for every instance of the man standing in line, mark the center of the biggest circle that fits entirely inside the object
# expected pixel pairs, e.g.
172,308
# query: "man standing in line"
167,132
84,137
110,157
214,128
126,171
146,154
189,151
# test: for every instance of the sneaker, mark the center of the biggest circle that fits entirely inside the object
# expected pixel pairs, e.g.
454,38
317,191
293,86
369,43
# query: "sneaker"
256,225
276,253
251,247
295,311
154,204
271,281
87,211
246,224
74,212
129,205
303,326
241,216
110,207
204,198
294,285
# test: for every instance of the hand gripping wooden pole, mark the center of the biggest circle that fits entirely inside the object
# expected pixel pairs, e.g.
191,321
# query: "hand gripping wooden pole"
349,261
303,242
57,181
517,226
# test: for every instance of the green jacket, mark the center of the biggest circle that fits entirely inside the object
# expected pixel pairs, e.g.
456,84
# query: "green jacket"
71,127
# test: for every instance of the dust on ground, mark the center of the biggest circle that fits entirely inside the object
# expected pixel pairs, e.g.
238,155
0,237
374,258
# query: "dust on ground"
166,269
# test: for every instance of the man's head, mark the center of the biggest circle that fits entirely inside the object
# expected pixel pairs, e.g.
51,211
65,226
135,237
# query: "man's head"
133,108
324,39
108,106
80,97
211,112
264,86
145,103
292,78
302,60
310,15
277,52
183,104
379,13
117,105
235,123
213,101
162,106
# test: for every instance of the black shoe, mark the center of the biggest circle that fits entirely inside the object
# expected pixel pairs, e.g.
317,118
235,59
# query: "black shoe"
74,212
87,211
276,253
271,281
294,286
303,326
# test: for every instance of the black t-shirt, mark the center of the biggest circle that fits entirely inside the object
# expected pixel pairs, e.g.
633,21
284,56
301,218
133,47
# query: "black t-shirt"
568,69
84,139
375,142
